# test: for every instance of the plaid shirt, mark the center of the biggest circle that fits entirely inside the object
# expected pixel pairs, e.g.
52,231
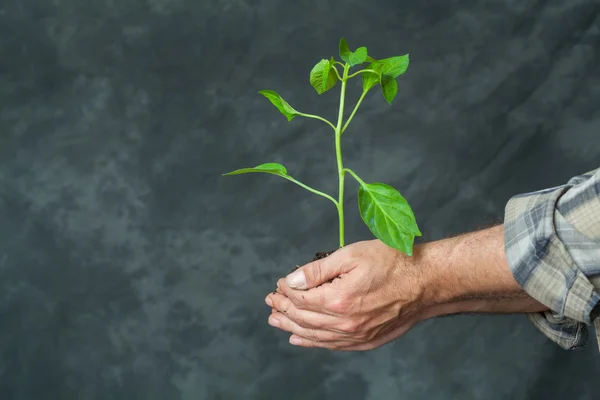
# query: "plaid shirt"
552,240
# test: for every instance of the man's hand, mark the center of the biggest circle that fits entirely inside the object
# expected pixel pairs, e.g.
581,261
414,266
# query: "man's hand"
380,293
375,299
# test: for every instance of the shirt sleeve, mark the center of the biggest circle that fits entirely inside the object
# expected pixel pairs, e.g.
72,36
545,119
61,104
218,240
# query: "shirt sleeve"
552,243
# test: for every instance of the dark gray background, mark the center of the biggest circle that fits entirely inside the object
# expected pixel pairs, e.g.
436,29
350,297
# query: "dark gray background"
129,269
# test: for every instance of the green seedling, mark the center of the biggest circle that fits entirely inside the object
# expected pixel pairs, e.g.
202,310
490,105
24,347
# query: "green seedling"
382,208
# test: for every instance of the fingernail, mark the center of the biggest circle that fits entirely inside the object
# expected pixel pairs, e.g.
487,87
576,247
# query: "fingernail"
295,340
269,301
273,321
296,279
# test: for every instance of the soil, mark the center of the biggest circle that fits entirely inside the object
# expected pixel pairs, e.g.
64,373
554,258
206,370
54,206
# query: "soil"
318,256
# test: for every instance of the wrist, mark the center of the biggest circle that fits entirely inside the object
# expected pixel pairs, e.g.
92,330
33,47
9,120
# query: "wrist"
470,273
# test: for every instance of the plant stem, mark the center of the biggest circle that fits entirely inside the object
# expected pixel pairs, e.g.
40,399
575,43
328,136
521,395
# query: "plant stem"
289,178
361,71
338,154
336,71
319,118
362,96
348,170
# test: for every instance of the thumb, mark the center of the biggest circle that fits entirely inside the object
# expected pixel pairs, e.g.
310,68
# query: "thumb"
315,273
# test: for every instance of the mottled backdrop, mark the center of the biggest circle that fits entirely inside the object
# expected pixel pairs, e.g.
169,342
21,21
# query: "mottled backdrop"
130,269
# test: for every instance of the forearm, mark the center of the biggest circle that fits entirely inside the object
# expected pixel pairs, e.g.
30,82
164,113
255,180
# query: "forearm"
470,274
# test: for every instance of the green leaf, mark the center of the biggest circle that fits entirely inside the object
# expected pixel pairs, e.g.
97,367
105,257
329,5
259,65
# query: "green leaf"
280,103
388,216
344,50
371,79
359,56
395,66
370,59
389,88
269,168
322,78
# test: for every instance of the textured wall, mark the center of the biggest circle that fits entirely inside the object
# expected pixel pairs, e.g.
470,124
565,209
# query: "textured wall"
129,269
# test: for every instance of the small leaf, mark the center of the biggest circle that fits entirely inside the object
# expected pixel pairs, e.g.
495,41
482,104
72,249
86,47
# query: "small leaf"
344,50
353,58
280,103
322,78
371,79
389,87
269,168
395,66
388,216
371,59
359,56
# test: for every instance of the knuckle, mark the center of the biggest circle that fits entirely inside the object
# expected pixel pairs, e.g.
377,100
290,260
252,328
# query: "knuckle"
284,306
313,336
351,326
302,322
317,271
355,327
339,305
276,299
276,302
347,327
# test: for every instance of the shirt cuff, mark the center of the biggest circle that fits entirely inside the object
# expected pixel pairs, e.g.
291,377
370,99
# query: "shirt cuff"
566,332
542,265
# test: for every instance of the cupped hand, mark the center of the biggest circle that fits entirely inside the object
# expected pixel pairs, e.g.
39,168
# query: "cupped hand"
375,298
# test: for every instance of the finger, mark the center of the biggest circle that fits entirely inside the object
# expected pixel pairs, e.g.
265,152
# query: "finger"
303,342
318,272
280,321
369,345
305,318
378,341
314,299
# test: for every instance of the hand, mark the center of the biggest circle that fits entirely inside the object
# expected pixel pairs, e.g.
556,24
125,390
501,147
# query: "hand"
375,298
380,293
